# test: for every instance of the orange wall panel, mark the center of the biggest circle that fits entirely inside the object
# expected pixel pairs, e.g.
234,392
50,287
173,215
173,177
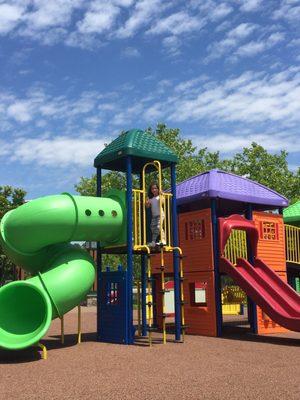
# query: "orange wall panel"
200,320
271,246
271,249
195,238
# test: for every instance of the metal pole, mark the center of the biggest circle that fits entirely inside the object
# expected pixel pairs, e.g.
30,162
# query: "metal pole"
176,256
129,249
218,299
138,286
99,258
252,309
144,293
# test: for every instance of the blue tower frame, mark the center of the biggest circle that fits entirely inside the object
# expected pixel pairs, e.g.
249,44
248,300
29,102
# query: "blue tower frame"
121,155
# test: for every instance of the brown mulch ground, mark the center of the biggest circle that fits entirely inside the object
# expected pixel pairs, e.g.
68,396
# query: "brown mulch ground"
237,366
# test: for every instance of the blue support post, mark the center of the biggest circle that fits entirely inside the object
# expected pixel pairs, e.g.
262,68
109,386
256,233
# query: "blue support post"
218,298
176,256
99,257
129,249
252,309
144,293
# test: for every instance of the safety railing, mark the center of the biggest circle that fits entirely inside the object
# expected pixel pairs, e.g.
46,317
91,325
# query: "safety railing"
139,211
236,246
292,241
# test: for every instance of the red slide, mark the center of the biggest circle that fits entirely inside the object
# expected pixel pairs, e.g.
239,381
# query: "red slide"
276,298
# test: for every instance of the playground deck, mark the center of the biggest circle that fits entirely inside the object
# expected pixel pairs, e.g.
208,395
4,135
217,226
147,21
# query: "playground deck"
234,367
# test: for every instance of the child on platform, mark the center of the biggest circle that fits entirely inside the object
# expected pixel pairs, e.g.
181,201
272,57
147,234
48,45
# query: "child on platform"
153,201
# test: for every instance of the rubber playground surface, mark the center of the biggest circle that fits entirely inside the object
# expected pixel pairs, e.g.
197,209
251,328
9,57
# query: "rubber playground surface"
237,366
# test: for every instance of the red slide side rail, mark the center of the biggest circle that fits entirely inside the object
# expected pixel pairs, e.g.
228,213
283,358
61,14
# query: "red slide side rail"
236,221
276,298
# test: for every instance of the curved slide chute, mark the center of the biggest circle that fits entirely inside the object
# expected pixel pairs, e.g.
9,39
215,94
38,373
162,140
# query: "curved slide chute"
275,297
36,236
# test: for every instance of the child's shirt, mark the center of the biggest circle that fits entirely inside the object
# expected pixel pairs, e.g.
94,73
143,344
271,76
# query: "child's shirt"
155,206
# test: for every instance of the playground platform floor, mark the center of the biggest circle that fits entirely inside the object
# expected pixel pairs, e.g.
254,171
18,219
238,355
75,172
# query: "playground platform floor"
237,366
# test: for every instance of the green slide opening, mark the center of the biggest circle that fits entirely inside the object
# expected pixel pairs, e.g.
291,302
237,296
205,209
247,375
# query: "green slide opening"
25,315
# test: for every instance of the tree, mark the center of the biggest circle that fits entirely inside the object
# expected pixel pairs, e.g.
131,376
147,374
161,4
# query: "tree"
268,169
10,198
191,160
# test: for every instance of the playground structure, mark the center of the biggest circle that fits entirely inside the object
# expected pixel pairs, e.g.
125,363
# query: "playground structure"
215,222
208,204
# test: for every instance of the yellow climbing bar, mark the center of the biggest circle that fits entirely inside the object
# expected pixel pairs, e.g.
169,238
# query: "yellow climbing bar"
236,246
292,241
149,298
139,210
163,289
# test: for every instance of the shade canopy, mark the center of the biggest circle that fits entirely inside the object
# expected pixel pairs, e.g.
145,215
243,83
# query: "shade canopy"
142,146
228,186
291,215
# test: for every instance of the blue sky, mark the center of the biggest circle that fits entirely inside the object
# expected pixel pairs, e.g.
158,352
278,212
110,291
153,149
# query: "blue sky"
74,73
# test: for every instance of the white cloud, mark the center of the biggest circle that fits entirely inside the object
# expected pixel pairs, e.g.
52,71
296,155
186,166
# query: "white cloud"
231,41
242,31
254,47
59,151
233,142
10,16
250,5
20,111
142,14
288,10
177,24
52,13
220,11
130,52
250,98
172,45
99,18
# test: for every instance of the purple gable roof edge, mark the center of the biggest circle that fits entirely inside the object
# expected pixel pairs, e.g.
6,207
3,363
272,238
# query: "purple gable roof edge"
254,182
214,191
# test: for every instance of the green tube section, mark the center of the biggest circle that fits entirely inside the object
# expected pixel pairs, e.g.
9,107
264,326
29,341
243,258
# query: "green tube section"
37,236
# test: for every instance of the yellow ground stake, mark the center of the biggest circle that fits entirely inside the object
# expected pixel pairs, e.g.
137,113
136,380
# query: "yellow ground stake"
79,324
44,351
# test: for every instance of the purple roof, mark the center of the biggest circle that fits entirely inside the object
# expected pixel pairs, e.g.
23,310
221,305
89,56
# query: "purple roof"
224,185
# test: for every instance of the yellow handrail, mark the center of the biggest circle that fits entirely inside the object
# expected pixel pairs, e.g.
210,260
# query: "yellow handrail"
292,241
236,246
157,165
163,289
139,210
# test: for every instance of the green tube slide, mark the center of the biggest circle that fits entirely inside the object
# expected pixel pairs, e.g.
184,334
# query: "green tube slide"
37,236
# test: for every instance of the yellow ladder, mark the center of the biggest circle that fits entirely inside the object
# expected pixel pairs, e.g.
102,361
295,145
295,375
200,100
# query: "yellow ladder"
140,244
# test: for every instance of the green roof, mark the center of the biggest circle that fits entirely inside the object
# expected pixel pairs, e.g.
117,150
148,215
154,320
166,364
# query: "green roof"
142,146
291,214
